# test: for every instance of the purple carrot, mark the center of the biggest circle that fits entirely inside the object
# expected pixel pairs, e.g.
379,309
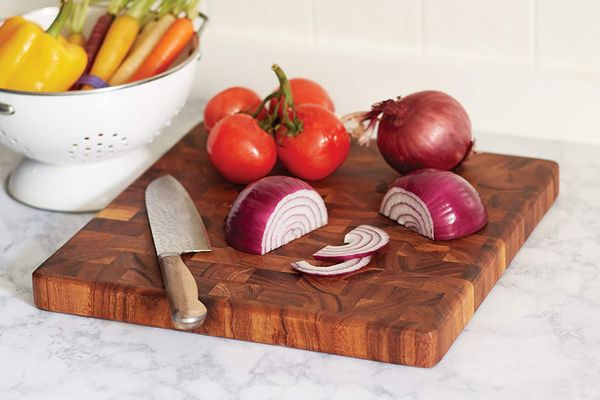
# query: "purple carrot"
94,42
97,37
100,30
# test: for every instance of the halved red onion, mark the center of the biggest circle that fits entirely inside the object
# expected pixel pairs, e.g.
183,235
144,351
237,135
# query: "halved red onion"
362,241
437,204
337,269
271,212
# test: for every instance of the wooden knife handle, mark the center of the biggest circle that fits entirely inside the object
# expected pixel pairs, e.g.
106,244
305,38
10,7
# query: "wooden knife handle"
187,311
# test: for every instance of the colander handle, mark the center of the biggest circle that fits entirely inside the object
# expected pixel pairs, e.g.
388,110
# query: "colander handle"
203,24
6,109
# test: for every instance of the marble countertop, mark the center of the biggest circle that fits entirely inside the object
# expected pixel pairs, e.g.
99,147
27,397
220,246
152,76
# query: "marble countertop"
536,336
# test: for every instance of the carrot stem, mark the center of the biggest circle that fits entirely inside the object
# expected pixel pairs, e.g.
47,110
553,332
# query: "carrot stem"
78,16
178,6
139,8
166,7
192,9
114,6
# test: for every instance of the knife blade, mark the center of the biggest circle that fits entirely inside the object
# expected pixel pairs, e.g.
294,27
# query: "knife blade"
177,228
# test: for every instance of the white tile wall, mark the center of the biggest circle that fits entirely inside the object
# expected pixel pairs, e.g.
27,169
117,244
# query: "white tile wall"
386,24
568,34
11,7
289,20
490,29
522,67
530,33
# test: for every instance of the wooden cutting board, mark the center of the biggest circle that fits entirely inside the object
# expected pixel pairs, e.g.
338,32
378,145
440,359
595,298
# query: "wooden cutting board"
406,307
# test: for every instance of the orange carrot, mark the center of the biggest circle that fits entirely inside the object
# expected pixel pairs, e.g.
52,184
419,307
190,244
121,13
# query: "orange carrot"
118,41
167,49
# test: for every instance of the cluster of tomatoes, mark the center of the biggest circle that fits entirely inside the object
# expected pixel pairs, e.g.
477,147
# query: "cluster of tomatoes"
295,124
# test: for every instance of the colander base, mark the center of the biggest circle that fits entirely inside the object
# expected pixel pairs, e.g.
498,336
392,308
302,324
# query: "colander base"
76,188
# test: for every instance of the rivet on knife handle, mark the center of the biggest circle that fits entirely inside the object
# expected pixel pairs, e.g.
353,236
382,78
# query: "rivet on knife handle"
187,311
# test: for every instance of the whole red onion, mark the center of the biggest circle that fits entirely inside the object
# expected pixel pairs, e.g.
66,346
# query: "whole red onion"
427,129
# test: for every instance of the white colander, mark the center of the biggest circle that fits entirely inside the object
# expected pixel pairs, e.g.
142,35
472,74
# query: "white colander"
81,148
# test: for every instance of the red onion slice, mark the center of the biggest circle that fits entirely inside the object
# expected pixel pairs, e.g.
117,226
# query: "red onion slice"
362,241
437,204
271,212
337,269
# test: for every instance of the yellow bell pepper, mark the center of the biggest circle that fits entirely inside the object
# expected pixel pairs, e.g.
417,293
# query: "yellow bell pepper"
37,61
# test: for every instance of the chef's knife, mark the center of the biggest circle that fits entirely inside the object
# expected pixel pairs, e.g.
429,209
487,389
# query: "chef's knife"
177,228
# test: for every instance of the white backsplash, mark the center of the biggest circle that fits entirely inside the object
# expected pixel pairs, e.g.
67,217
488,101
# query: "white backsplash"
521,67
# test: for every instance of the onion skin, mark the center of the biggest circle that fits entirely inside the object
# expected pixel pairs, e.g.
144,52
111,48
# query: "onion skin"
247,223
454,206
427,129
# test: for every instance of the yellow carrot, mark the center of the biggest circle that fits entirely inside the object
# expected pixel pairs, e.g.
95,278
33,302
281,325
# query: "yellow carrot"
137,56
118,41
77,38
76,21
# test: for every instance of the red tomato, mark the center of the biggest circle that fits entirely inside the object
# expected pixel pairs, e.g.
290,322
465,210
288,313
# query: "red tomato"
240,150
319,149
229,101
306,91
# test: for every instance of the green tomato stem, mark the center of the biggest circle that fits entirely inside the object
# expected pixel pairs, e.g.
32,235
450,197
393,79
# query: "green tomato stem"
262,105
286,103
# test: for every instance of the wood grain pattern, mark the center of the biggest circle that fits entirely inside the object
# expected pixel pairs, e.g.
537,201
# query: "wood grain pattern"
406,307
